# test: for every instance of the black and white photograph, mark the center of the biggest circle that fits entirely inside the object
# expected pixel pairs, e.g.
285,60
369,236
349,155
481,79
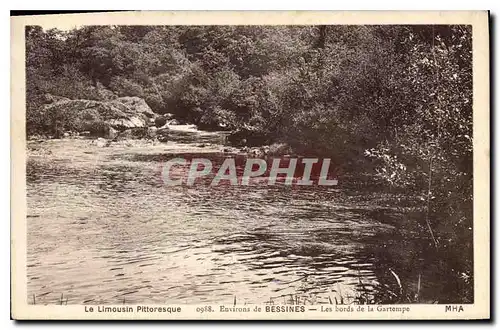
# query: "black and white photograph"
296,167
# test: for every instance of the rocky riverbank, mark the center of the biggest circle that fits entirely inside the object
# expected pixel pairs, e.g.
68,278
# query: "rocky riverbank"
130,118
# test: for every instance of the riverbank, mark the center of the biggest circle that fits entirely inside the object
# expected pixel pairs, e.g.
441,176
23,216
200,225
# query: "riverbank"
305,242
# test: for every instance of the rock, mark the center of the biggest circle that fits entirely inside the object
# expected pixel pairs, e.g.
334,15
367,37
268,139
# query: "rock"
248,136
137,105
163,139
256,152
152,131
89,115
104,93
49,98
100,142
229,149
125,135
66,134
126,123
84,133
160,121
265,150
111,133
174,122
163,134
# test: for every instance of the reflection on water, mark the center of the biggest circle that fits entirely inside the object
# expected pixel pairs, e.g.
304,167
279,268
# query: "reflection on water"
102,228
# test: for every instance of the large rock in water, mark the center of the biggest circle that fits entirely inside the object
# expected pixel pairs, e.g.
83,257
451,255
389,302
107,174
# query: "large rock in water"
97,116
126,123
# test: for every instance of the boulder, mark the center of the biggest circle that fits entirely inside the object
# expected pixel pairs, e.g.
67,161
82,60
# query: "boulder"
160,121
126,123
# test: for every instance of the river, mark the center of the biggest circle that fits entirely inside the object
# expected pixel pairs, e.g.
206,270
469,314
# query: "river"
103,228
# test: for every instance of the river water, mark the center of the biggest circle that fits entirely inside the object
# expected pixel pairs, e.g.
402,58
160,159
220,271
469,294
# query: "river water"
104,229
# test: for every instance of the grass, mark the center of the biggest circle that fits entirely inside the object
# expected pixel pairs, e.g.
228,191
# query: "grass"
62,300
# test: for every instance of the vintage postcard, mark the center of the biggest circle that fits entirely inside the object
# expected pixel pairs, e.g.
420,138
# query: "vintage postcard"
251,165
